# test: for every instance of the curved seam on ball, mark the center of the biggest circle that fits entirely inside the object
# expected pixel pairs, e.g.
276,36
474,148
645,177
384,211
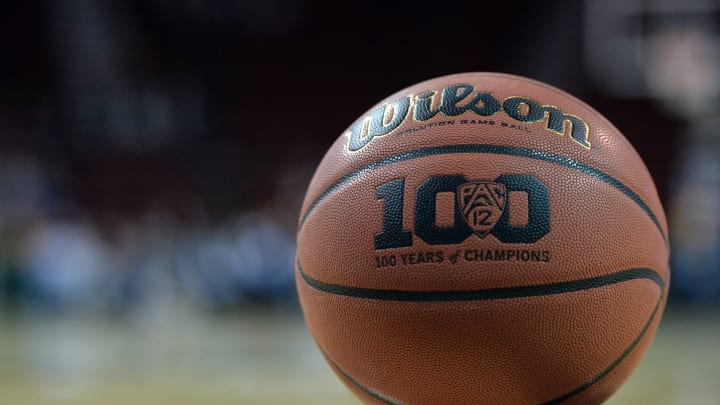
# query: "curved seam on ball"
503,293
359,386
486,294
614,364
555,401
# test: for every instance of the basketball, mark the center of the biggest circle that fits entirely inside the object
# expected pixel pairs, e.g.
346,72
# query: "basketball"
482,238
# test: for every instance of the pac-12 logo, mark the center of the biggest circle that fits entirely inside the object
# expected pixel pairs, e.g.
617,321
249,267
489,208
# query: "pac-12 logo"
482,204
481,207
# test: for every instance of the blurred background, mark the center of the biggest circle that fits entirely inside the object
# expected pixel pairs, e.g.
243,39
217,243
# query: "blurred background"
154,154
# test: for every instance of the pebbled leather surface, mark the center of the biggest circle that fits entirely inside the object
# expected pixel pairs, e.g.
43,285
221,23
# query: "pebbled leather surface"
507,351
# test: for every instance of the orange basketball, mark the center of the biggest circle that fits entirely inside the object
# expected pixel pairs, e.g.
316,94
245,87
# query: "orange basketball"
482,238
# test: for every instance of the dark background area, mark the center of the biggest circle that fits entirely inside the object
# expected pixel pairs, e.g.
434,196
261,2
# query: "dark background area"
276,85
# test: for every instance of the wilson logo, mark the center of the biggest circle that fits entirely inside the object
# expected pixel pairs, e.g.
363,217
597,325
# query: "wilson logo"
459,99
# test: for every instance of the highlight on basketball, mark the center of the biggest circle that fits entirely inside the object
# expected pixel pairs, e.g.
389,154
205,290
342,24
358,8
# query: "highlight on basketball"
311,202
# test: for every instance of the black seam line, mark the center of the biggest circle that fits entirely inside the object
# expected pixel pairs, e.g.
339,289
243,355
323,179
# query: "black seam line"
488,294
488,149
612,365
512,292
359,386
555,401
